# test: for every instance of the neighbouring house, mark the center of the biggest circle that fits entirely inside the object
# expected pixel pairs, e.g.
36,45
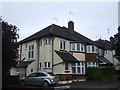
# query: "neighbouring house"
62,51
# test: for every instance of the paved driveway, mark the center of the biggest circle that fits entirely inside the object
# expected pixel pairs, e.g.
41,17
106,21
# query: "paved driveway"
93,85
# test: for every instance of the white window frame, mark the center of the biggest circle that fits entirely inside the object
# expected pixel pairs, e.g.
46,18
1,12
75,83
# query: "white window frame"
92,49
76,48
81,66
48,40
31,71
67,64
40,64
31,51
40,42
62,45
90,64
47,64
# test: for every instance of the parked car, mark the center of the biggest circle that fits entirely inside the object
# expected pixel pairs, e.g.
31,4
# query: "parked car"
40,79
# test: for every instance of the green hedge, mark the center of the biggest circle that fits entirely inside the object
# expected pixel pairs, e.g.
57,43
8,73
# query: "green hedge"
100,72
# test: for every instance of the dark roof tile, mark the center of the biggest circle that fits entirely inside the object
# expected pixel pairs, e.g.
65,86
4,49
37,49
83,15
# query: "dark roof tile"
66,56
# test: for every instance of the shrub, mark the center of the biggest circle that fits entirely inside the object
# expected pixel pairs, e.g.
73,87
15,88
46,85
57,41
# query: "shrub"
100,72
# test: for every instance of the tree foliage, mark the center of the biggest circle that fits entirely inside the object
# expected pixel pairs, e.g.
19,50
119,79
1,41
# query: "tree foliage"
115,41
9,46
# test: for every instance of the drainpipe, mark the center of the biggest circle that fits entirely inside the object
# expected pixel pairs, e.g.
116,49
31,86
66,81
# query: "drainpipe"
52,53
37,53
20,52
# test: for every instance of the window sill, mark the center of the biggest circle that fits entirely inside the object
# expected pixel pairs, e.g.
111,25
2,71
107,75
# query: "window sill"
47,68
67,71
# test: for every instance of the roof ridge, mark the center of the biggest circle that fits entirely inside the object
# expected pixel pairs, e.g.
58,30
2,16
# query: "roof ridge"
52,28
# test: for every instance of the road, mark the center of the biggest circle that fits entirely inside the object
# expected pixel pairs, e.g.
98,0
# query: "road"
84,85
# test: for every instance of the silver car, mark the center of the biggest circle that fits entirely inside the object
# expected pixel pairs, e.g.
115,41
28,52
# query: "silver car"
40,78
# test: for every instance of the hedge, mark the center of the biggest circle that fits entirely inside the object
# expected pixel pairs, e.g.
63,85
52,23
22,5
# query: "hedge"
100,72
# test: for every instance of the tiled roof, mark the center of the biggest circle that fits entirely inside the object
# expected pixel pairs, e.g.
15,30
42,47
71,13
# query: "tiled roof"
63,32
103,59
104,44
24,64
66,56
52,30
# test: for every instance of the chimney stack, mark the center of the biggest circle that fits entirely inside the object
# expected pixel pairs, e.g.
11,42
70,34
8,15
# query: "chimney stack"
71,26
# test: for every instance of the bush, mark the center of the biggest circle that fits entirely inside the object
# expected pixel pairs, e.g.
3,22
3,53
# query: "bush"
100,72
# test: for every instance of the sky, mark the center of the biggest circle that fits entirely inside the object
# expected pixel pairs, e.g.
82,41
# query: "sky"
94,20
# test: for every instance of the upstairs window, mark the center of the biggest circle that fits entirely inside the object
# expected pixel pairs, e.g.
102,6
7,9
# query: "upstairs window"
31,52
92,49
62,44
77,47
92,64
48,40
40,42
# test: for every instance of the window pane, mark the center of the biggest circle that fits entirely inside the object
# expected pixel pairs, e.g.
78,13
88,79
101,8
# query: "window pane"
39,64
60,44
73,46
78,46
45,64
63,44
92,48
82,47
78,70
48,64
74,70
83,70
78,64
66,66
32,46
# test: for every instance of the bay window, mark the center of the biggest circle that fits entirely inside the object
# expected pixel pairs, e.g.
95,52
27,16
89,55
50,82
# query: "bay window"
79,68
92,49
77,47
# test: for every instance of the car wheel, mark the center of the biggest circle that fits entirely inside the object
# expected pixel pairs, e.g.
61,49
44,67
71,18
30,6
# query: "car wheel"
45,84
22,83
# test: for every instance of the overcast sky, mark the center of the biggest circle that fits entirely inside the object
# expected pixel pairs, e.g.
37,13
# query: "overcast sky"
92,19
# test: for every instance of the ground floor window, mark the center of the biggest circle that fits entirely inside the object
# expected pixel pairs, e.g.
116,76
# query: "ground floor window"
79,68
66,67
92,64
47,64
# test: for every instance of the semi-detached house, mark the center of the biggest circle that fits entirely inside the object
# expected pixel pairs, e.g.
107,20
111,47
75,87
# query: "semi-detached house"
62,51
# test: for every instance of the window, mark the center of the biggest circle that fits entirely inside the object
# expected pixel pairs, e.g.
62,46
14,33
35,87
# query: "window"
40,42
66,66
79,68
92,49
100,52
62,44
77,47
32,70
47,64
92,64
39,64
72,46
31,52
82,47
48,40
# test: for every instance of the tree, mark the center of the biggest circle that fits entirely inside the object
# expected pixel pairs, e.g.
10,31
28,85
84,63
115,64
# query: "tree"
9,47
115,41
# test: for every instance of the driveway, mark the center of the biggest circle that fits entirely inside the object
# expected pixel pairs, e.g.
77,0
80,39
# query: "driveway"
94,84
